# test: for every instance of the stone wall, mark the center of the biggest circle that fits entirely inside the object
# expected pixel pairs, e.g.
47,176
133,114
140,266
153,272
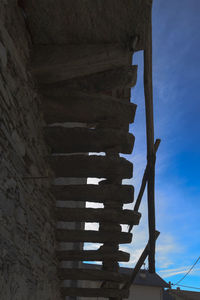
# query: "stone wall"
28,268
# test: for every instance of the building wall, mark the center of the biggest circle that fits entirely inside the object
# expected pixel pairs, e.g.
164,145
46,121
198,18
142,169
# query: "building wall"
140,292
137,292
182,294
28,268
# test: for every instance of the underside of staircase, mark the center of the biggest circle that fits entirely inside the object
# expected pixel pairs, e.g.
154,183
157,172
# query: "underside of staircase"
82,61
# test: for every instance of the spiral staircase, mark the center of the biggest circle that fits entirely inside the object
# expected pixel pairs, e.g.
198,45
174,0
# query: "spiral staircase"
82,61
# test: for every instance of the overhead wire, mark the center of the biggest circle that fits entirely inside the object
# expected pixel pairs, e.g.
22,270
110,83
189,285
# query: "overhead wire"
177,283
187,286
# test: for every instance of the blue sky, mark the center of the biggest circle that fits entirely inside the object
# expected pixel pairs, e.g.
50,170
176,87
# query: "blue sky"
176,72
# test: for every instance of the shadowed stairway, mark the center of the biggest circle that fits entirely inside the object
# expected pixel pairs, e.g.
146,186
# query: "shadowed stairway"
84,72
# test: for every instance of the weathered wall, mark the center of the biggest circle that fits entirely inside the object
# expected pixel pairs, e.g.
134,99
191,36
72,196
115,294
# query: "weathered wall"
27,241
137,292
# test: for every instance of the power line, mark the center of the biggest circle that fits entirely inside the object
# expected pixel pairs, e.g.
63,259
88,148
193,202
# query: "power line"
177,283
187,286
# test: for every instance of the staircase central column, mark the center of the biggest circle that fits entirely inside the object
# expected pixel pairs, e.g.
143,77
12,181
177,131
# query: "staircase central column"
111,247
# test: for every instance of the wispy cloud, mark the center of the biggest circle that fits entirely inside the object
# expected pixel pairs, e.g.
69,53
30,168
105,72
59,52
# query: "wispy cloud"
182,270
165,250
176,57
92,246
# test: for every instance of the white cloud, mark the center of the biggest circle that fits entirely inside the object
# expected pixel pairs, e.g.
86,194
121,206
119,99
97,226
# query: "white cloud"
92,246
169,115
91,180
92,226
165,250
182,270
94,205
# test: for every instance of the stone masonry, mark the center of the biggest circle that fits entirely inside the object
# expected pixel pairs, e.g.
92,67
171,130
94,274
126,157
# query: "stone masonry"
28,265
